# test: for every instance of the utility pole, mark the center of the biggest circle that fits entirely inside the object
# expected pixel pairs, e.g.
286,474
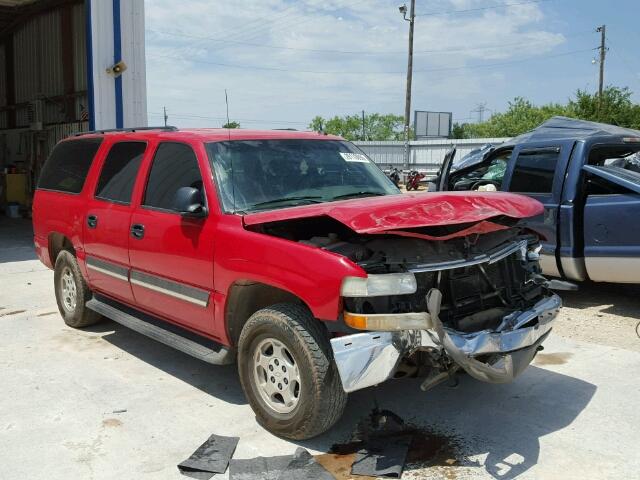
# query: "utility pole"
166,117
603,53
407,106
364,135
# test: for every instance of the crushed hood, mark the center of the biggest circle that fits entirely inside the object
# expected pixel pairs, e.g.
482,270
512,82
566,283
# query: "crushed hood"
406,211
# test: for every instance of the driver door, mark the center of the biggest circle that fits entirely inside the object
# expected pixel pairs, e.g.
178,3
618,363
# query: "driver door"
537,170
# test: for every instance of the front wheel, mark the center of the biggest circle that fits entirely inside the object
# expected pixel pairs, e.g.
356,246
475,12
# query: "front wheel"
288,374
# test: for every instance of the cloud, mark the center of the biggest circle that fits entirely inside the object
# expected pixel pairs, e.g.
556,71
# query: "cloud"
197,48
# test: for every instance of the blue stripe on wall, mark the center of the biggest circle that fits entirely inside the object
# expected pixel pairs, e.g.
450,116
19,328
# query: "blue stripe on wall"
117,56
89,37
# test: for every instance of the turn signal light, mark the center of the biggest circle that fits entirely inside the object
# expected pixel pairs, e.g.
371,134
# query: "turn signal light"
388,322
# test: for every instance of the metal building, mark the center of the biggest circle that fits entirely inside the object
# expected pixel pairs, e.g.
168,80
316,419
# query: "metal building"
57,77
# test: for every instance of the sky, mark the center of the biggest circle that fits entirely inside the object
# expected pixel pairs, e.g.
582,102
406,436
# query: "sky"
283,62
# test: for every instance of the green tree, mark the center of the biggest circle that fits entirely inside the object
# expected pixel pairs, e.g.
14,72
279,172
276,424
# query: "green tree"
615,107
377,126
231,125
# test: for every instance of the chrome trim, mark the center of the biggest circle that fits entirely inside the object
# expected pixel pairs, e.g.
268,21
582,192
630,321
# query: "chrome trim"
492,257
367,359
513,334
171,288
370,358
107,268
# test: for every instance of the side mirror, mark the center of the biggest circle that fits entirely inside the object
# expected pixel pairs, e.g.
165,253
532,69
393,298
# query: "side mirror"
189,203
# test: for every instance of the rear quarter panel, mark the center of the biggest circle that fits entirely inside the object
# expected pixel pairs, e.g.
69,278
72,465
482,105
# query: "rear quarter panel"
56,212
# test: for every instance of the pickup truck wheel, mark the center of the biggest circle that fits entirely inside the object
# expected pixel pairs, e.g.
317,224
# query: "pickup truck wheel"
72,292
288,374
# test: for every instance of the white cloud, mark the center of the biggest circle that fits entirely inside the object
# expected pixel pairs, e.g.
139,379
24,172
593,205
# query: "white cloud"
183,75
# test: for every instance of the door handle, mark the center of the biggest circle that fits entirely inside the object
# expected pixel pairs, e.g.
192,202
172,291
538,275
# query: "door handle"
92,221
137,231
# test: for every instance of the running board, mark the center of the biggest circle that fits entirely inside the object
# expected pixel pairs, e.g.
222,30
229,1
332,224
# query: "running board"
196,346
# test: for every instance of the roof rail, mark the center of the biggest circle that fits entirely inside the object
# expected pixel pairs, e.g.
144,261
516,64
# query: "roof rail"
132,129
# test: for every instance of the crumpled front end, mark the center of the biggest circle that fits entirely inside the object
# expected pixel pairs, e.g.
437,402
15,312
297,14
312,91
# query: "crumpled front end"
485,313
494,356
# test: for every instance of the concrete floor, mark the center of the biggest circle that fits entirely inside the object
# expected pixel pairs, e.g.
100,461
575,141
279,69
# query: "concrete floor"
107,403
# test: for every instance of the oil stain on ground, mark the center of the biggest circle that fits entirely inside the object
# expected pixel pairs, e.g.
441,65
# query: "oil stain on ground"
428,448
111,422
559,358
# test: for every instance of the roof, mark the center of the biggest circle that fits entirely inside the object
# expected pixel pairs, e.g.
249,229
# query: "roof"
215,134
559,128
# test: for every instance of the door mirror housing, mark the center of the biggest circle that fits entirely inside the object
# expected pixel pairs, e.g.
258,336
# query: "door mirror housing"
189,202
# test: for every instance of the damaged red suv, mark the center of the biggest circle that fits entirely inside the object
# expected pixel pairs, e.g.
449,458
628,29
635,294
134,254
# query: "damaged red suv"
294,255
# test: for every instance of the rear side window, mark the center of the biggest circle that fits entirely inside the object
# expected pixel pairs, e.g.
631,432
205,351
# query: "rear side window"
534,171
68,165
174,166
119,172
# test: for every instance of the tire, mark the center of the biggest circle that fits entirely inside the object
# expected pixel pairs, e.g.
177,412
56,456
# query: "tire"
320,398
72,292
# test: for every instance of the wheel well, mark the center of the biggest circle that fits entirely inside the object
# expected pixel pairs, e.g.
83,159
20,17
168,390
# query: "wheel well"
57,243
246,298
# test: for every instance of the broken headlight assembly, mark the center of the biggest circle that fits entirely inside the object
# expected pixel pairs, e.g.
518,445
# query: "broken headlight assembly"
379,285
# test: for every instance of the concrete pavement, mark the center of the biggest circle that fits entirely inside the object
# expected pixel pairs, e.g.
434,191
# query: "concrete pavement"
108,403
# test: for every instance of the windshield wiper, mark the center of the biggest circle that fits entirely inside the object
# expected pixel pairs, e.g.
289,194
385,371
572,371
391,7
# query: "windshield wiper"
269,203
363,193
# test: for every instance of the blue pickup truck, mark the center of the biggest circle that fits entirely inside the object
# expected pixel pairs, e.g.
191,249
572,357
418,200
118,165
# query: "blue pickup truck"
587,175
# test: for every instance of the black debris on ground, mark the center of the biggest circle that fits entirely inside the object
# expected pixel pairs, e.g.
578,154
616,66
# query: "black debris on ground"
382,457
210,458
267,468
301,465
374,436
304,466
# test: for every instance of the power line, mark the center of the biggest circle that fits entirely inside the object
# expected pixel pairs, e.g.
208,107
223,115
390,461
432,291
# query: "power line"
478,9
357,52
345,72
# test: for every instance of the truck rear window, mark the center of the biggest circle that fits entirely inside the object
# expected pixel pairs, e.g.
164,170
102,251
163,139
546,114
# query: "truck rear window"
68,165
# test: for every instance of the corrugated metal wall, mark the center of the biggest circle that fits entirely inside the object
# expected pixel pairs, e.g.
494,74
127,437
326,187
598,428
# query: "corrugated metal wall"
3,89
80,56
38,65
424,154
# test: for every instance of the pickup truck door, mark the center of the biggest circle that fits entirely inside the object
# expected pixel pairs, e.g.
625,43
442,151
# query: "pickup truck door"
612,227
106,224
171,255
537,169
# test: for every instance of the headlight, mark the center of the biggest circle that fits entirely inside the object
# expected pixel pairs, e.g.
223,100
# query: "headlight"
379,285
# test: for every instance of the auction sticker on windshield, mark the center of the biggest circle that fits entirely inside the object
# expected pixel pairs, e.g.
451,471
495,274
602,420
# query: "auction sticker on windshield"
354,157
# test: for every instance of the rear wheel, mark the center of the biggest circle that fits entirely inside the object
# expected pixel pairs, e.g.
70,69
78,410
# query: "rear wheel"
72,292
288,374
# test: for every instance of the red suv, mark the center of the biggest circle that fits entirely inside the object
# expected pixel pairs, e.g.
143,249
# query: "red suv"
294,254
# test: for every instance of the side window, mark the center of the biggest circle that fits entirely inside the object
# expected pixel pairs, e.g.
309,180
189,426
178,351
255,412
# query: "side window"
174,166
68,165
534,170
119,172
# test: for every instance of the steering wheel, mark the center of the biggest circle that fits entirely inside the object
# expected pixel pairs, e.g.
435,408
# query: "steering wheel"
482,182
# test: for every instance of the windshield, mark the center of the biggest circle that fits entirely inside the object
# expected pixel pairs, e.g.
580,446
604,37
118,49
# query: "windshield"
255,175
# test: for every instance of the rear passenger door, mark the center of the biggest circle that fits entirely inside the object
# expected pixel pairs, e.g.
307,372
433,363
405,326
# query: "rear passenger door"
106,225
171,255
538,170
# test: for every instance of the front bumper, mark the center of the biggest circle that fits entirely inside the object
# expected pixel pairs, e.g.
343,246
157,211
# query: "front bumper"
366,359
